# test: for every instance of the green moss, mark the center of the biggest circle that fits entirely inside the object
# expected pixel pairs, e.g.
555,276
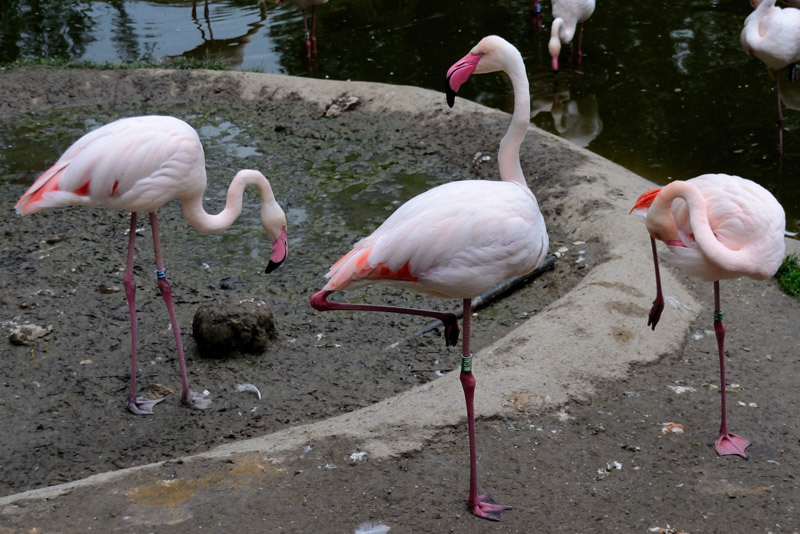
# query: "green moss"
788,275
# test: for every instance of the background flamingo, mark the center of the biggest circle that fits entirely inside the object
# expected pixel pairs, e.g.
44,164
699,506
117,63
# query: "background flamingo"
568,15
772,34
716,227
311,36
138,164
457,240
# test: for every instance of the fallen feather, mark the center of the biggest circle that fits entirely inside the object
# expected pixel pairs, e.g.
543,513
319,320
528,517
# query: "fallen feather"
682,389
248,387
667,530
372,528
358,456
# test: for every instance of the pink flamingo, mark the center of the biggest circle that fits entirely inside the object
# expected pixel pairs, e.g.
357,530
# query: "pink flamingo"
716,227
138,164
311,36
457,240
567,16
772,34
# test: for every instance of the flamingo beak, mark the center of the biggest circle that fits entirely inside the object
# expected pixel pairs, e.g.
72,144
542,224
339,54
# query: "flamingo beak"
458,74
555,64
280,249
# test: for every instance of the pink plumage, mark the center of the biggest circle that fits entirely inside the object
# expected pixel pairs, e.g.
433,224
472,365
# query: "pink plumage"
716,227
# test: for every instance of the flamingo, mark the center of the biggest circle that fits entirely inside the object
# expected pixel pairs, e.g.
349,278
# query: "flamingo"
138,164
772,34
716,227
311,36
567,15
457,240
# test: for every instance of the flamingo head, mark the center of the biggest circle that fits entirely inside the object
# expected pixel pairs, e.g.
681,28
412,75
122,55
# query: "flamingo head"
554,44
489,55
660,223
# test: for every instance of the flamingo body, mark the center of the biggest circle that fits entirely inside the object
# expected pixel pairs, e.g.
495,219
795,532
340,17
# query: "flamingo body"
457,240
716,227
568,15
137,164
450,242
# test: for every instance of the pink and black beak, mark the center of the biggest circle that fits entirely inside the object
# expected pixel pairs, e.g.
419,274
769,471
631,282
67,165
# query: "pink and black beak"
280,249
458,74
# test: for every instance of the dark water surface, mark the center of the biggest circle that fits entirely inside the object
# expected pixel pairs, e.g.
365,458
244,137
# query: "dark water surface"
665,88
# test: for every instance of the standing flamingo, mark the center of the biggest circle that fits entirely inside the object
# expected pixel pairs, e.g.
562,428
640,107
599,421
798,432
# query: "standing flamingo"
457,240
138,164
567,16
716,227
311,36
772,34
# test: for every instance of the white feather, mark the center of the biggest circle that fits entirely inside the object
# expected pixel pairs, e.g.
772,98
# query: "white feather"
248,387
372,528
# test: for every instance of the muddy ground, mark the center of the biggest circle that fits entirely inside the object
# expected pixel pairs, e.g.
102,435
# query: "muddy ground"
598,464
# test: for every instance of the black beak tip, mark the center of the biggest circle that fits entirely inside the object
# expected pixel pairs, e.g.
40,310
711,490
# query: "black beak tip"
272,265
451,96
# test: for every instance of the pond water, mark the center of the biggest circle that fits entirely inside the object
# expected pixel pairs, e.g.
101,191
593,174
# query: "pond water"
665,88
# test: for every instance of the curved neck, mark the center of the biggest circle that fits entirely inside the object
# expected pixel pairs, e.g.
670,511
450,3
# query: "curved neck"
508,155
659,216
206,223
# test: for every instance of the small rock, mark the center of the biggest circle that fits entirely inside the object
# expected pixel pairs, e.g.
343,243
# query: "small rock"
26,334
340,105
107,289
239,325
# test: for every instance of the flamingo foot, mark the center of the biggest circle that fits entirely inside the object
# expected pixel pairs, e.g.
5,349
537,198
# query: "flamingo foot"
451,330
728,443
197,401
487,508
655,313
142,405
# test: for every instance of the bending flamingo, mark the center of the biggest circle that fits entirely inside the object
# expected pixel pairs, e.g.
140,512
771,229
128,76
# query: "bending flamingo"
568,15
138,164
457,240
311,36
772,34
716,227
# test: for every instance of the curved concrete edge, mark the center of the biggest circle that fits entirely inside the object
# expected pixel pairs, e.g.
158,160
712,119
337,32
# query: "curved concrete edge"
590,334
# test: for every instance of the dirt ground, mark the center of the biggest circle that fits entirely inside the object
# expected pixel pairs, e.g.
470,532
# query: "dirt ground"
598,464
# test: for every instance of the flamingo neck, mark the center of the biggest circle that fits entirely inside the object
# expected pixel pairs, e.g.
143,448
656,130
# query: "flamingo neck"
659,218
203,222
508,155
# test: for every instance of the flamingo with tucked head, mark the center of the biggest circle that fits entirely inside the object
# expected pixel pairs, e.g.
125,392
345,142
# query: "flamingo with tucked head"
716,227
138,164
457,240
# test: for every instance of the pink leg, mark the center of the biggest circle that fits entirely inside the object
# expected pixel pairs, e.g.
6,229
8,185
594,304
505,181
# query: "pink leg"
307,34
580,43
726,443
780,113
480,505
193,400
314,28
319,301
658,303
137,405
536,15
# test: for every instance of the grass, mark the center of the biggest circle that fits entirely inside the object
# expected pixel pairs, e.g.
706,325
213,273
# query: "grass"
788,275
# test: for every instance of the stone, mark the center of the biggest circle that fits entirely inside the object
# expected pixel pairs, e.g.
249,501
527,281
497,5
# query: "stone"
240,325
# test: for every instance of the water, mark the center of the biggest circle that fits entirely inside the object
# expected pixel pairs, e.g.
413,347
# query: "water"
664,90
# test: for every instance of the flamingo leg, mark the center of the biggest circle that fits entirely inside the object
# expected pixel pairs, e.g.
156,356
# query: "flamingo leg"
193,400
307,33
780,113
580,43
658,303
536,15
480,505
314,28
319,301
726,443
137,405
